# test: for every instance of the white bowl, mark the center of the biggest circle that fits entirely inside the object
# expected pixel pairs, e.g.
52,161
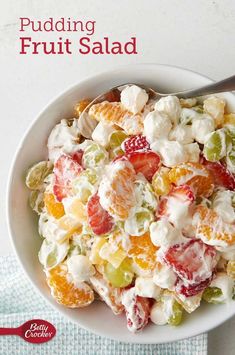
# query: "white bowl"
23,222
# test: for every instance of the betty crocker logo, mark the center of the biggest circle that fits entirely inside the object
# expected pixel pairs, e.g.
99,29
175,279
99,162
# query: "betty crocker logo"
33,331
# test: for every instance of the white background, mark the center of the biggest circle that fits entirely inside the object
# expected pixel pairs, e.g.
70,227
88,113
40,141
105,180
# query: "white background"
197,35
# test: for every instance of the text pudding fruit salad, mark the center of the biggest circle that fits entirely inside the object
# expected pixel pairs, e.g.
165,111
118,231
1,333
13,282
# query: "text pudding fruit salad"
136,206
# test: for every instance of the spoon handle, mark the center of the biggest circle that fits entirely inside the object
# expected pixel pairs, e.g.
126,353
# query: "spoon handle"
221,86
9,331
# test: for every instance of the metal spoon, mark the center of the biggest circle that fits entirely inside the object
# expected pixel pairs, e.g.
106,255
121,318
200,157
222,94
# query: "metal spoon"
113,94
33,331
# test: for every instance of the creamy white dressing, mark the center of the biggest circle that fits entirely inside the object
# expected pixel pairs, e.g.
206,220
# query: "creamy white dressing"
63,139
102,133
171,106
157,125
182,133
222,204
138,222
201,127
171,152
164,277
134,98
49,229
225,284
158,315
193,152
52,253
164,234
178,212
145,287
80,268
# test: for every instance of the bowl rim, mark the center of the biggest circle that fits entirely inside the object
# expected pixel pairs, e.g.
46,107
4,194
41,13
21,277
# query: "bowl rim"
67,90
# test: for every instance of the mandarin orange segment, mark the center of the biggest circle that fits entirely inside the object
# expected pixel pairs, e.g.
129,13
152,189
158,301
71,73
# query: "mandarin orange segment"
80,106
195,175
115,113
211,228
120,192
109,294
161,182
122,199
65,291
143,252
54,208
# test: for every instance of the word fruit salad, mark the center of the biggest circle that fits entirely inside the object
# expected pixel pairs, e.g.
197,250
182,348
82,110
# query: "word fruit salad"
136,206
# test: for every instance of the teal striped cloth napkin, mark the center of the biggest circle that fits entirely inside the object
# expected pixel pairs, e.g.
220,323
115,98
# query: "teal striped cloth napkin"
19,302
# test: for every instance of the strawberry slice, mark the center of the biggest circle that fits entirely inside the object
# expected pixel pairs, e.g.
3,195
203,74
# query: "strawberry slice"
182,193
99,220
221,175
137,310
136,144
146,163
192,290
120,157
193,261
77,156
66,169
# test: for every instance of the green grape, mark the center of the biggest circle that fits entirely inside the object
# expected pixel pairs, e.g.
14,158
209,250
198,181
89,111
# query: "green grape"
230,160
51,260
36,201
145,195
231,132
91,176
94,156
121,276
217,145
37,173
74,250
142,217
83,185
119,225
52,254
211,293
177,313
116,139
139,223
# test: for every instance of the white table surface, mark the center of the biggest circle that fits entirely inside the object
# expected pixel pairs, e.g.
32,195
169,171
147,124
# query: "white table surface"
197,35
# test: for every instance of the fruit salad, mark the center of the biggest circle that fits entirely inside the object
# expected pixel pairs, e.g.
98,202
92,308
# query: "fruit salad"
136,206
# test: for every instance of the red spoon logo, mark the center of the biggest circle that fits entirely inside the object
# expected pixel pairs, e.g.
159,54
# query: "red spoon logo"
33,331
